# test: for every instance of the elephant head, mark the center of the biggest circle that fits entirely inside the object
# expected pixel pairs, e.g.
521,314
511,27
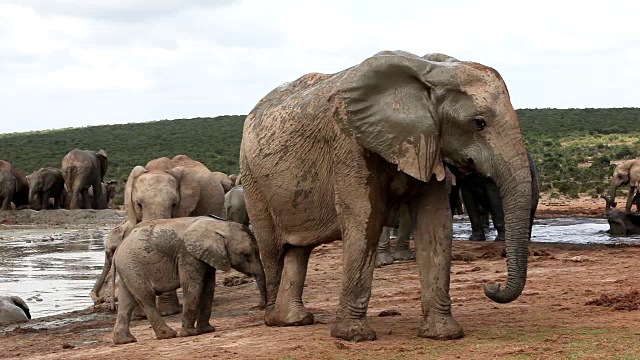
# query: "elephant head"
160,194
421,113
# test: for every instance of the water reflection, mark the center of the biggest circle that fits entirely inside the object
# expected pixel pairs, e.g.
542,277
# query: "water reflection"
53,270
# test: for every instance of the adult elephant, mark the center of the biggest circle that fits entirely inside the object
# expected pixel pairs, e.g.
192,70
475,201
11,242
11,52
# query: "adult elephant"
13,310
82,169
20,196
334,156
627,172
46,183
164,188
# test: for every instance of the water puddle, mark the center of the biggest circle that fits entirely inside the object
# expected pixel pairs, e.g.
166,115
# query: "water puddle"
53,269
562,230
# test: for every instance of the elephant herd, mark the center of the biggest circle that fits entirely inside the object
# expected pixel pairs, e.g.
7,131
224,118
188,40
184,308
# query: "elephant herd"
77,184
389,142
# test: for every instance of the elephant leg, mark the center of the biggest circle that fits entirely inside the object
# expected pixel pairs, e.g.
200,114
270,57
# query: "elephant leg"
475,215
192,283
361,227
269,243
632,194
84,196
433,239
45,200
126,303
206,302
6,204
168,303
402,251
384,256
97,194
289,309
496,210
146,299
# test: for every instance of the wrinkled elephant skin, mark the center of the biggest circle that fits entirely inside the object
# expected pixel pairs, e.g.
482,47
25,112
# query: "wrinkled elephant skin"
335,156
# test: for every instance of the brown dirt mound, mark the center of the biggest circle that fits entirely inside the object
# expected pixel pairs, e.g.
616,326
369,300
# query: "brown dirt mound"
629,301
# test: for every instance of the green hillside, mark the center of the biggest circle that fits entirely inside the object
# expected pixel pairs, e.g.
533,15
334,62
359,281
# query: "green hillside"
573,148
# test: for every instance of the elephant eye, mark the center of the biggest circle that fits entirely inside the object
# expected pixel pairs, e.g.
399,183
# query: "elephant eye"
479,123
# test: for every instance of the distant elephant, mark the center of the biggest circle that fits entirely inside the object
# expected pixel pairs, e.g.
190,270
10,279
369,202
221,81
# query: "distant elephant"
163,255
82,169
13,310
334,156
627,172
44,184
620,222
7,188
234,206
233,178
108,193
20,196
225,180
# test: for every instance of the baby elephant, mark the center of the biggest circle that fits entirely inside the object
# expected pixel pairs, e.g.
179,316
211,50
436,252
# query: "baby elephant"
163,255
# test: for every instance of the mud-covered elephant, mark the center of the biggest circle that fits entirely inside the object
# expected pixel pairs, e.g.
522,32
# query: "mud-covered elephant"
13,310
20,194
163,255
335,156
234,206
82,169
44,184
626,173
165,188
620,222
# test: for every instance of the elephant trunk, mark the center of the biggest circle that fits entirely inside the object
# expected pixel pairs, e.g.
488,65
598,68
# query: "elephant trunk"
34,198
95,293
514,178
612,196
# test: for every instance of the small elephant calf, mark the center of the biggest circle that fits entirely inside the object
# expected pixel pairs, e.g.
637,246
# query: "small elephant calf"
163,255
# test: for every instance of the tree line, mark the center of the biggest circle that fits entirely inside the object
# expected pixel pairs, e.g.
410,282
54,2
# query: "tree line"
575,149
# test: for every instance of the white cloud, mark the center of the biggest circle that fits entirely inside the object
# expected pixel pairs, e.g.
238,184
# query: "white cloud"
138,61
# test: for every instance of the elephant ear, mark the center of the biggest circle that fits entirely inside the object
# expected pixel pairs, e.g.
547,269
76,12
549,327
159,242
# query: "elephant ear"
104,163
207,244
386,104
128,192
189,190
49,178
17,301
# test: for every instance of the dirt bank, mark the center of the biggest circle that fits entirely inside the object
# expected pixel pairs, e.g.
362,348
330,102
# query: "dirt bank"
580,302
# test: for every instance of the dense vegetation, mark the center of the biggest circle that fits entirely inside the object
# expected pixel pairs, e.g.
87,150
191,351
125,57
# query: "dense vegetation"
575,149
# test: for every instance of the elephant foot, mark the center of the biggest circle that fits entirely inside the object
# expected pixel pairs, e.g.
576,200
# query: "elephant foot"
169,309
293,316
123,337
166,333
440,327
404,255
477,237
191,331
384,258
208,328
353,330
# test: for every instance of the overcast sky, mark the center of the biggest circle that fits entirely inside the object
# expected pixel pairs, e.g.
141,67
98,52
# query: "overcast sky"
69,63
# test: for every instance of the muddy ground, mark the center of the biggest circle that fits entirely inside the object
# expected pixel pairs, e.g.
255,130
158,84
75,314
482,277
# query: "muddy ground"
580,301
